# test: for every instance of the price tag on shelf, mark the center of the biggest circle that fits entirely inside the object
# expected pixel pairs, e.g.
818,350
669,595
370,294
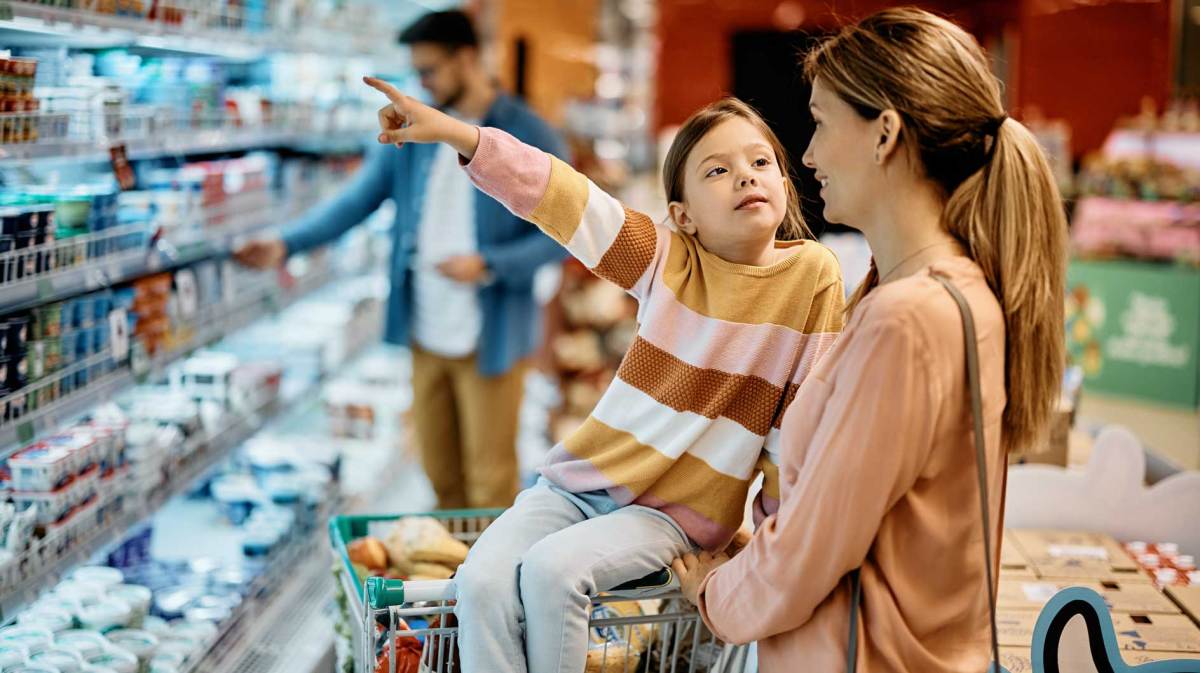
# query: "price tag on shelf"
185,290
45,289
118,334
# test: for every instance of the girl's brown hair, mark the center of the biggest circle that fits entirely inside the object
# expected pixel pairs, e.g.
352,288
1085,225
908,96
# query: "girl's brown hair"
1002,203
706,119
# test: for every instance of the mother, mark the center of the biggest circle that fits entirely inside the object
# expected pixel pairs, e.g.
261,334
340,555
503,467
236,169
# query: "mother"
913,148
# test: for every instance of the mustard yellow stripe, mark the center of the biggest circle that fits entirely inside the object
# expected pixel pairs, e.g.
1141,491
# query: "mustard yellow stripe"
802,292
770,477
617,455
561,208
717,497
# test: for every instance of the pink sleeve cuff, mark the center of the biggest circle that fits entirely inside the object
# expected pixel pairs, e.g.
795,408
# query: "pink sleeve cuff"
509,171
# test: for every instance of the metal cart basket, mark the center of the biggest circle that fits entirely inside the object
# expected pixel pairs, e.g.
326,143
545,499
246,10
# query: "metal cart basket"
395,624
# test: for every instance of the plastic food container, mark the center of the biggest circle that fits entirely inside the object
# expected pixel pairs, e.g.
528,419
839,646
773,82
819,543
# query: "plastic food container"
172,659
106,615
40,467
61,659
32,668
158,626
84,643
79,592
12,655
52,506
141,644
177,652
102,575
117,659
32,638
138,598
56,620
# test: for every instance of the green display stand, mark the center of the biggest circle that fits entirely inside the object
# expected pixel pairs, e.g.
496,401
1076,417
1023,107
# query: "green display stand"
1134,328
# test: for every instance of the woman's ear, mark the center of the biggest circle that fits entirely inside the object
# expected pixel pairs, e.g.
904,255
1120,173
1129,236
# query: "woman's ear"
679,216
888,126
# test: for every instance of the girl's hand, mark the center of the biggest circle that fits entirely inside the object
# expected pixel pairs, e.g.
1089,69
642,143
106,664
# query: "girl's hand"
405,120
692,570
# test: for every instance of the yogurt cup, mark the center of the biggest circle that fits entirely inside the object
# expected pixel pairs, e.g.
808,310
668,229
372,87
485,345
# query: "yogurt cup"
106,615
102,575
56,620
141,644
32,668
12,654
85,643
116,659
158,626
84,591
64,660
32,638
138,598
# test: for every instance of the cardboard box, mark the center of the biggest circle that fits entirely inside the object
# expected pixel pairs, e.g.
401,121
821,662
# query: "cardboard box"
1187,598
1156,633
1134,328
1010,554
1074,569
1018,659
1129,598
1050,548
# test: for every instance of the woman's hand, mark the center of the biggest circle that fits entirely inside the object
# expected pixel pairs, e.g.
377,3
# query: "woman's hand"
405,120
692,570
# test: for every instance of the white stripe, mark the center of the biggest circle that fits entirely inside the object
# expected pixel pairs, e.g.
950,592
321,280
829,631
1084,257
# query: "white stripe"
774,446
602,220
725,445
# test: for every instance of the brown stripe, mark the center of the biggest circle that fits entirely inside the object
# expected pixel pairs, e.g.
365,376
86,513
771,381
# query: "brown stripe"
618,455
793,388
695,484
631,253
748,400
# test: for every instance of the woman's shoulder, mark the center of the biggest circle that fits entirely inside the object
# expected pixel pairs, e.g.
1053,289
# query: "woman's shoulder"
921,303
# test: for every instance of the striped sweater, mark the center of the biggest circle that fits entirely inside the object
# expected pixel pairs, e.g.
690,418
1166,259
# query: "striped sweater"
693,414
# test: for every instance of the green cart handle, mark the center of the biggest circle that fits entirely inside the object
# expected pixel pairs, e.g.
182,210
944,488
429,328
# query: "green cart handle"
384,593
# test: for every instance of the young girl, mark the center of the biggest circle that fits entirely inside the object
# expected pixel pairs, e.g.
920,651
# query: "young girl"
730,322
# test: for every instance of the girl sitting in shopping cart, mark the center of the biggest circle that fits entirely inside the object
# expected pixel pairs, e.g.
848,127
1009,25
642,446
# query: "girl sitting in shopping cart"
731,320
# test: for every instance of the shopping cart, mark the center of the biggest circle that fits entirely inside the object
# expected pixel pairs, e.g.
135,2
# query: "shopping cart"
634,629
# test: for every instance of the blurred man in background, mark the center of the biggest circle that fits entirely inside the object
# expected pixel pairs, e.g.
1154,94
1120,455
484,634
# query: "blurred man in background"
462,271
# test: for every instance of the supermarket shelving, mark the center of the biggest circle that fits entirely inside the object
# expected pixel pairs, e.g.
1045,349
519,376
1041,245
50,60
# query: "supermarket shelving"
208,33
53,557
180,143
222,225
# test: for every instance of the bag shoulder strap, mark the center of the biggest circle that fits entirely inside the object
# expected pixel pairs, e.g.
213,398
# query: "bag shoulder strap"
971,347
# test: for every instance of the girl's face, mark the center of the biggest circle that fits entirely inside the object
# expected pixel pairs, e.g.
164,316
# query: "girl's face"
842,152
734,192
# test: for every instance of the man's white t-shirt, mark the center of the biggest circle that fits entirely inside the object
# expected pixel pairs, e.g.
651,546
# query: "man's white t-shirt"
446,316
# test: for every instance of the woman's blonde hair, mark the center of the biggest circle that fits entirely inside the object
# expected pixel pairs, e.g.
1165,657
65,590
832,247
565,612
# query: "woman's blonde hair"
1001,199
706,119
